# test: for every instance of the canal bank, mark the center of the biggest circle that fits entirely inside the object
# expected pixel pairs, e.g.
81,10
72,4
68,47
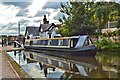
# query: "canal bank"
9,68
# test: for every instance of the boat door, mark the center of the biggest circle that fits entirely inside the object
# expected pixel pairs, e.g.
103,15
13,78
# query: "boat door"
73,42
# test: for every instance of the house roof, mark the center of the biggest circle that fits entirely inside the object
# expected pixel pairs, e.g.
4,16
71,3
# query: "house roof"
35,30
46,27
32,30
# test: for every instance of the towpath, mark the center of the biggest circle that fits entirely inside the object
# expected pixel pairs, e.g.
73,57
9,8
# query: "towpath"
6,65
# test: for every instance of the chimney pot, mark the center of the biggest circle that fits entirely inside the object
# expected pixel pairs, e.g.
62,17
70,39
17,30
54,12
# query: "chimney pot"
44,20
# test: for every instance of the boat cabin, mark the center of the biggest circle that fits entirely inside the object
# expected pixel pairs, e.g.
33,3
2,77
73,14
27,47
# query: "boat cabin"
66,42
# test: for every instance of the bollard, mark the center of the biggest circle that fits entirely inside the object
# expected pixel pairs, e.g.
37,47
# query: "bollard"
45,70
41,67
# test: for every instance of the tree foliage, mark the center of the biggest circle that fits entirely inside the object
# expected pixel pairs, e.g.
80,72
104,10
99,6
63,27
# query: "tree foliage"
85,17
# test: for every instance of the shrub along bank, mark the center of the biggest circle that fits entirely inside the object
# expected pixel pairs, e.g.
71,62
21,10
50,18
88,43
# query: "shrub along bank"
107,44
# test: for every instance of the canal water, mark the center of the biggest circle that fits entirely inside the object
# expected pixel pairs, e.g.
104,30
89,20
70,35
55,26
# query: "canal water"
39,65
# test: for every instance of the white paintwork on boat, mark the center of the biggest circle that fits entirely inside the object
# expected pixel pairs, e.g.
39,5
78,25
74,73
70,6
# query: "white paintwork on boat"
71,43
81,41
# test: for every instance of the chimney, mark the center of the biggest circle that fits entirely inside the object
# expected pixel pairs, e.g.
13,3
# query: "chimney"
44,20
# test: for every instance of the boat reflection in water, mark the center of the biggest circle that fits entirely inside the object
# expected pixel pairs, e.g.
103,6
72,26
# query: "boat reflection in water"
73,67
39,65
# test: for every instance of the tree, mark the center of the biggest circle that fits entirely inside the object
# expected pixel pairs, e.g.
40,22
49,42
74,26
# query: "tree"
85,17
78,17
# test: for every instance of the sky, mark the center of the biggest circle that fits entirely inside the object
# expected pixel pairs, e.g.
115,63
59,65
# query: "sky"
27,13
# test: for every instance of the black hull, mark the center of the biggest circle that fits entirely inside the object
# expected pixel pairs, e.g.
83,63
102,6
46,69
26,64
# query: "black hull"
63,52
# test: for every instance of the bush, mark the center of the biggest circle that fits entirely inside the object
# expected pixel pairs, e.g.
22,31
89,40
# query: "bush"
107,44
118,32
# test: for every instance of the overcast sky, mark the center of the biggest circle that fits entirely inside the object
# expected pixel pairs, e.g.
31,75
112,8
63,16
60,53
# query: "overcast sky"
28,13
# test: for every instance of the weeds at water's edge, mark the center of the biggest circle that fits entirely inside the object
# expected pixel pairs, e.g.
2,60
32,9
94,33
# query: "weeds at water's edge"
107,45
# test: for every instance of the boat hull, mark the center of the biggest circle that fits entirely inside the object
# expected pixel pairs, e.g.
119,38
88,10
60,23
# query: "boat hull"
63,51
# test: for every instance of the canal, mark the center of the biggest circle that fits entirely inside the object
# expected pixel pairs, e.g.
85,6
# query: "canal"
38,65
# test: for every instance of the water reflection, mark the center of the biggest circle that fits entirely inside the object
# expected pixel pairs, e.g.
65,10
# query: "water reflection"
109,61
39,65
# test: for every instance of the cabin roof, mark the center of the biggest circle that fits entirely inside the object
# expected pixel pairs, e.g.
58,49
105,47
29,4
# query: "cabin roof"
74,37
32,30
46,27
83,37
81,41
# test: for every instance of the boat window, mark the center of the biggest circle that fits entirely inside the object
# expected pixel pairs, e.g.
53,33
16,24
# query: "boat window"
90,42
39,42
42,42
49,42
54,42
87,42
45,42
65,42
60,42
34,42
73,42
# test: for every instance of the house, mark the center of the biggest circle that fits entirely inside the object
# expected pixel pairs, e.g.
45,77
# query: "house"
32,31
45,30
111,27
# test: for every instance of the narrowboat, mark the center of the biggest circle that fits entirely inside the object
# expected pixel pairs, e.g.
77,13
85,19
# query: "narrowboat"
63,46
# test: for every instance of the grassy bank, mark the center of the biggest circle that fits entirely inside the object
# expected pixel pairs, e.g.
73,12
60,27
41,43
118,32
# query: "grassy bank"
107,44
